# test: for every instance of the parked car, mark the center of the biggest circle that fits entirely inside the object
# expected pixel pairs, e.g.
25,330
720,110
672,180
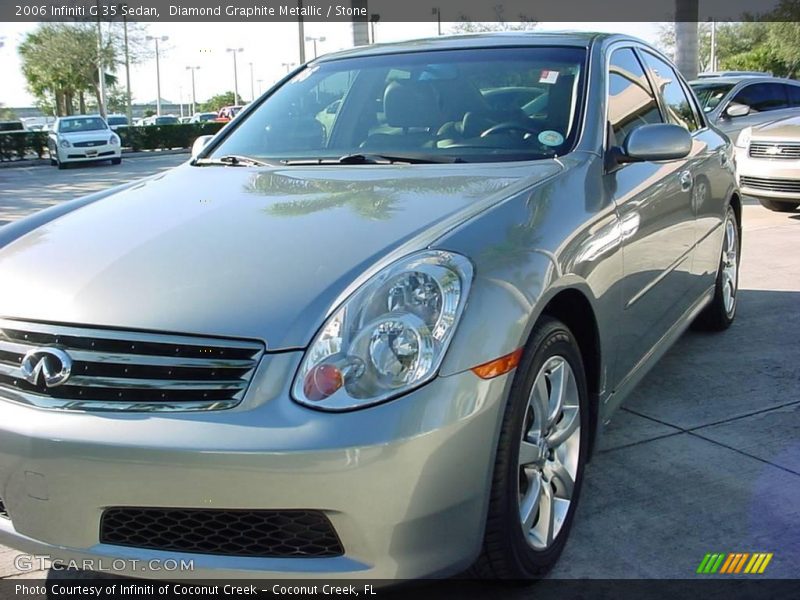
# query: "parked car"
383,351
12,125
227,113
712,74
202,117
732,103
117,121
186,119
768,163
161,120
83,138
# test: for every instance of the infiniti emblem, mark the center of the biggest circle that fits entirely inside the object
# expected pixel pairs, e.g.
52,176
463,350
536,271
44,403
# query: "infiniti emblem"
53,363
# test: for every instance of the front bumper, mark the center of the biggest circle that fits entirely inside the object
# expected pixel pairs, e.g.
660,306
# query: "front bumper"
771,175
104,152
405,484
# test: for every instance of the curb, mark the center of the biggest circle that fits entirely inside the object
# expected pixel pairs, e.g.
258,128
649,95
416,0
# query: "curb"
45,162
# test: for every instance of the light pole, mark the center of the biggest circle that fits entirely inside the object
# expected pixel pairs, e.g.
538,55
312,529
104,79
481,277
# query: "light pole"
156,39
713,60
194,96
235,51
315,39
252,84
260,81
438,12
128,107
301,31
101,77
373,18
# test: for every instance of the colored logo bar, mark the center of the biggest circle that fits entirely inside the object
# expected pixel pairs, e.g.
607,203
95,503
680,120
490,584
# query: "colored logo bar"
734,562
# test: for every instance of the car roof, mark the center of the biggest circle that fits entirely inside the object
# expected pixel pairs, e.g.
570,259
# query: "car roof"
734,79
69,117
581,39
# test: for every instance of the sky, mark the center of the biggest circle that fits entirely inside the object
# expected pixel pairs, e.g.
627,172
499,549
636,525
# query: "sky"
266,45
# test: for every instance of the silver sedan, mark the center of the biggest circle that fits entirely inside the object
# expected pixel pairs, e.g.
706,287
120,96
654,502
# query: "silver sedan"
381,346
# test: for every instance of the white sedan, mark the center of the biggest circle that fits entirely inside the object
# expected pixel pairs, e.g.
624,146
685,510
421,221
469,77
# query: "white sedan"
83,138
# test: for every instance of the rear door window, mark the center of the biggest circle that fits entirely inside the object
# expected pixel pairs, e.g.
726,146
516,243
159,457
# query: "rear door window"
793,91
762,97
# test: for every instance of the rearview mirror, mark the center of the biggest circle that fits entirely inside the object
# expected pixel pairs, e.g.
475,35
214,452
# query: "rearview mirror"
735,109
657,141
200,143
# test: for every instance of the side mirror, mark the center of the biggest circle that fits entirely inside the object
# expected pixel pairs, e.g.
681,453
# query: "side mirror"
657,141
200,143
734,109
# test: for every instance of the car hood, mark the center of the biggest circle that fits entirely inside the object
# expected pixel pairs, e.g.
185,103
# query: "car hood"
785,130
240,252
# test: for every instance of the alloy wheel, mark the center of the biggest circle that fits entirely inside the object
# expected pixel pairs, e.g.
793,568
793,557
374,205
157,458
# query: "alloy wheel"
549,453
730,270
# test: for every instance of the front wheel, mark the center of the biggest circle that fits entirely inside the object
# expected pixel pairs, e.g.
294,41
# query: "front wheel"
779,205
719,315
540,459
116,161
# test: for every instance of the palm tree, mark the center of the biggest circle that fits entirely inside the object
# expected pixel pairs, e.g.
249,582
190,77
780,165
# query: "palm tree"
686,16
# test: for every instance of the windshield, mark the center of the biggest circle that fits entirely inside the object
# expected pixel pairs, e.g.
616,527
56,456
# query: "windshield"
166,120
117,120
472,105
711,94
85,124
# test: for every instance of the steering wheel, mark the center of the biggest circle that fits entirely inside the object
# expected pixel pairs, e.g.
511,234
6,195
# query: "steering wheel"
508,126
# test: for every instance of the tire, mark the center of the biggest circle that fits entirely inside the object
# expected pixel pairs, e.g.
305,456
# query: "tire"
61,165
779,205
116,161
721,312
510,549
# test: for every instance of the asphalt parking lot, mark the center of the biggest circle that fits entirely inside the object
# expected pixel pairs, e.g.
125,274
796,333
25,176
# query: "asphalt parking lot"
704,457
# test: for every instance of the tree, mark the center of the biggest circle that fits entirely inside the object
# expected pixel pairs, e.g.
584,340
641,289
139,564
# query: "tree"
465,25
59,61
6,113
747,46
218,101
783,43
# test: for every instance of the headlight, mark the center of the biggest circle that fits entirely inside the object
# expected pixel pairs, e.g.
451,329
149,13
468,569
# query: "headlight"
113,140
743,139
387,338
65,144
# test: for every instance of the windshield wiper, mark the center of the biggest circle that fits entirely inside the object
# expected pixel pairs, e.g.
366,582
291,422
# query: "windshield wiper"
376,159
232,160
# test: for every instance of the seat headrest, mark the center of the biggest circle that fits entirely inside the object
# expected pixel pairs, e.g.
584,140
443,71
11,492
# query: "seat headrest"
411,104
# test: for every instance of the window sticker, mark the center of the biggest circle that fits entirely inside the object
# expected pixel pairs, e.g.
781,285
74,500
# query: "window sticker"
551,138
548,76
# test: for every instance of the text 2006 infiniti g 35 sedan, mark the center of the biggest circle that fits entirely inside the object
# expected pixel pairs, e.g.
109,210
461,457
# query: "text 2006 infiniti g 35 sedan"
373,327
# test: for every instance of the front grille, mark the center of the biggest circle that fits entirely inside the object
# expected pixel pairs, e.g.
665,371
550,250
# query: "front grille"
120,370
89,144
263,533
771,184
3,511
784,150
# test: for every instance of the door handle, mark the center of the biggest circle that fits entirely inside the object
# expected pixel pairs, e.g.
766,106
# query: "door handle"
686,181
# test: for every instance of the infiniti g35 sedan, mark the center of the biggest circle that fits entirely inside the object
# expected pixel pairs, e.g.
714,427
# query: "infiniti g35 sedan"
86,138
383,346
